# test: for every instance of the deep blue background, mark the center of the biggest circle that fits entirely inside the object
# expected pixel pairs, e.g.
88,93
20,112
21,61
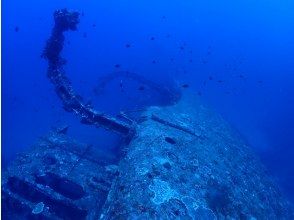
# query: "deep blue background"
249,45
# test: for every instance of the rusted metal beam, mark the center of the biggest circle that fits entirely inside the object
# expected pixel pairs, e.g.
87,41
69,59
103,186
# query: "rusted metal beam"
170,92
65,21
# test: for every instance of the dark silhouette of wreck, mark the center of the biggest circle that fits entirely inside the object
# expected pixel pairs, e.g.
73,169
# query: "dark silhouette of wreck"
180,161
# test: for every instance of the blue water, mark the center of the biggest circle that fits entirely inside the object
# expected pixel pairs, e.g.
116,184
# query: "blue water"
236,55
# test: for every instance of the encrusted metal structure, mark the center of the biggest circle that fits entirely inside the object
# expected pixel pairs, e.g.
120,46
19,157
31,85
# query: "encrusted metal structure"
72,102
182,161
169,94
58,178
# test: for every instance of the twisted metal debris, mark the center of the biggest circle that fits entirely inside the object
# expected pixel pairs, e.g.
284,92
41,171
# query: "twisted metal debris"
65,21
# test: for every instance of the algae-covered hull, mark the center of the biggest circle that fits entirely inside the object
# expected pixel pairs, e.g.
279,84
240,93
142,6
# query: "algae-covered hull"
185,162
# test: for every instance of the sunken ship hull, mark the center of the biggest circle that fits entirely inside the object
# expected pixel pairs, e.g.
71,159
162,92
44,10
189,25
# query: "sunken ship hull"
180,161
184,162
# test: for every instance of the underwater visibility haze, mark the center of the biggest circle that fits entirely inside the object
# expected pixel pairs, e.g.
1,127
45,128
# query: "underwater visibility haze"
149,109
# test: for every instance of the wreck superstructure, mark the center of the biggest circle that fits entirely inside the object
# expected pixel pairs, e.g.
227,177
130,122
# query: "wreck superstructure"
72,102
58,178
181,161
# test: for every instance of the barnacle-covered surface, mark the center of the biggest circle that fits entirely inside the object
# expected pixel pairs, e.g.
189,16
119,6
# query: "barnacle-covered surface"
186,162
58,178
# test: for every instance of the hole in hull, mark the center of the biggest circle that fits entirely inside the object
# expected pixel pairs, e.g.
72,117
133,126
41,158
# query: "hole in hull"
170,140
61,185
60,208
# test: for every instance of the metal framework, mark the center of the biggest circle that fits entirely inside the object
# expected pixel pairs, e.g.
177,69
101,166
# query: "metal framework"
65,21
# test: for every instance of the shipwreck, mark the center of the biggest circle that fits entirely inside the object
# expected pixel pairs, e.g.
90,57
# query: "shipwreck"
177,161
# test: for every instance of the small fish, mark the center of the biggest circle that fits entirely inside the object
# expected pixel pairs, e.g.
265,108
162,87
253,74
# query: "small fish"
190,61
121,85
168,36
152,38
260,81
141,88
85,35
94,25
209,50
185,86
203,61
117,66
220,81
128,45
182,47
62,130
154,61
16,29
210,78
199,93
